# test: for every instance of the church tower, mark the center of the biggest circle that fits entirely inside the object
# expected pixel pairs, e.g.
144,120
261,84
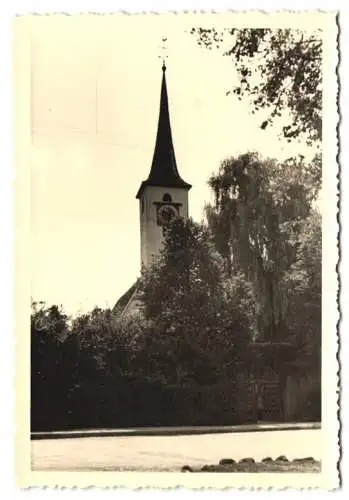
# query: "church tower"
164,195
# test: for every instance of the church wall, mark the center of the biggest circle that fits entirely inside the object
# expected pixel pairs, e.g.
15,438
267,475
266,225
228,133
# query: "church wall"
151,232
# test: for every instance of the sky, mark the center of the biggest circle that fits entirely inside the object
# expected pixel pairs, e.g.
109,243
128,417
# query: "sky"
94,103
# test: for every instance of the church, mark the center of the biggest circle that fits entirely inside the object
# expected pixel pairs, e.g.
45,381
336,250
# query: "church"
162,197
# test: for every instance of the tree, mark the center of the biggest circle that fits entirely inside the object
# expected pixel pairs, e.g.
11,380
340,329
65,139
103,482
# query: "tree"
260,208
53,367
303,285
105,369
278,70
198,321
196,330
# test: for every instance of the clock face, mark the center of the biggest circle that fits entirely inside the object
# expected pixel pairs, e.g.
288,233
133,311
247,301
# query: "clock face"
166,214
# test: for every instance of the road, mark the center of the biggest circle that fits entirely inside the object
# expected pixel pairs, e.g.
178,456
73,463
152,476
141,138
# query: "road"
170,453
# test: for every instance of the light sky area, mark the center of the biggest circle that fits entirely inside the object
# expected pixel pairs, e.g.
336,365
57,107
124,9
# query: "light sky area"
95,90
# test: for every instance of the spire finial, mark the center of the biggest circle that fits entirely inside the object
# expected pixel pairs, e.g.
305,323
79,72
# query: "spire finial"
163,55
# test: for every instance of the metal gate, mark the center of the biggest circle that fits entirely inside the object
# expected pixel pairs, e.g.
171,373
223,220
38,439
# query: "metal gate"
272,407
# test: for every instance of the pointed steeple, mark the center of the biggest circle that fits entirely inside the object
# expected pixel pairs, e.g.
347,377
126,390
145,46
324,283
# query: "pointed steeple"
164,170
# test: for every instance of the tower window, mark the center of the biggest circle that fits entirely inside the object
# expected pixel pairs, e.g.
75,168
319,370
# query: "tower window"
142,204
167,197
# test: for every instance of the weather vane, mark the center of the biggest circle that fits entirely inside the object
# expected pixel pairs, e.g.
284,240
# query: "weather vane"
163,56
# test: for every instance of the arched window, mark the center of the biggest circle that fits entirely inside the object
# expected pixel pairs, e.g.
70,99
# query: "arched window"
167,197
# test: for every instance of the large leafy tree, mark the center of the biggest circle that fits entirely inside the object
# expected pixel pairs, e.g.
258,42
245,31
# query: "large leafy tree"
260,209
278,70
198,320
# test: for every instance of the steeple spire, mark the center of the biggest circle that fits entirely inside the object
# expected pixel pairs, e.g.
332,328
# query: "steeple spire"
164,170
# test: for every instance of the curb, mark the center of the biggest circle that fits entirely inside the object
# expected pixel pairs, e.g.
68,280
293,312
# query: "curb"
173,431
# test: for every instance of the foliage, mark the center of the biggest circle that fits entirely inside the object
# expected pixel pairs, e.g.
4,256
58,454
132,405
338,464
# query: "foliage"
260,208
303,285
278,70
198,320
106,372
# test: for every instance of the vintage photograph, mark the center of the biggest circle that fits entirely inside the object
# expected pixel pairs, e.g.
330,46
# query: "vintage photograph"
179,177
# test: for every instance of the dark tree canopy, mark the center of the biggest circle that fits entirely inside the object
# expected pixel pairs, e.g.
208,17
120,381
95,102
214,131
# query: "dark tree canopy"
302,283
278,70
199,319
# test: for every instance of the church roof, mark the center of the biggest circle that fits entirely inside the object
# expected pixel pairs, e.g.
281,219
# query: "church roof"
164,170
125,298
130,303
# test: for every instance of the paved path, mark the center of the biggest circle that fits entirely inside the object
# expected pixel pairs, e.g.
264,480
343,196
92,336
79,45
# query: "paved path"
170,452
